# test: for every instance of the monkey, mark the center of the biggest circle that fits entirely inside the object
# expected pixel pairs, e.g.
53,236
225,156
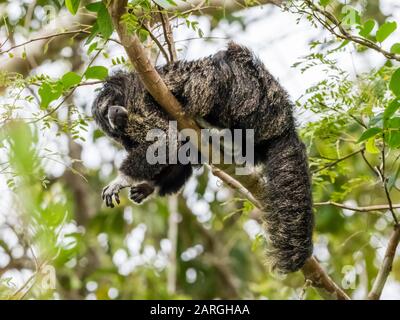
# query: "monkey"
167,181
230,89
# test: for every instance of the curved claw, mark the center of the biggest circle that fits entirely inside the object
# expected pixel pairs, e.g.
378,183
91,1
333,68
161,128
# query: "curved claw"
109,194
103,192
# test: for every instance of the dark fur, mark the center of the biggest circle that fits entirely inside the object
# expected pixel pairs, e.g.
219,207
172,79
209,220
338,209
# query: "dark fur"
231,89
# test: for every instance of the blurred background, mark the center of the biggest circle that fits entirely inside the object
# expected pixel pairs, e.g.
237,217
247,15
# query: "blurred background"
59,241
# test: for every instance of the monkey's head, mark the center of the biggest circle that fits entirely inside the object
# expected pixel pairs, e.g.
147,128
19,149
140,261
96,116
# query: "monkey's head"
112,120
110,109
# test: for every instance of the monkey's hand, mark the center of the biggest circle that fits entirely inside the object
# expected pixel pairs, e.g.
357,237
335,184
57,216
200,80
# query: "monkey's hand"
111,192
140,192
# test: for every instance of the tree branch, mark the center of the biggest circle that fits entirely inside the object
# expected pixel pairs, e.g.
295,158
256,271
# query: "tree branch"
168,35
386,266
158,44
320,280
196,6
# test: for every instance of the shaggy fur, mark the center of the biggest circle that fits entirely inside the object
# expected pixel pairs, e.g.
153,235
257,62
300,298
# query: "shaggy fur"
231,89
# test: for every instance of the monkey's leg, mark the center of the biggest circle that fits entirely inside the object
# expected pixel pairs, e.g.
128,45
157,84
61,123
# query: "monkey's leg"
112,190
173,178
137,169
170,180
141,191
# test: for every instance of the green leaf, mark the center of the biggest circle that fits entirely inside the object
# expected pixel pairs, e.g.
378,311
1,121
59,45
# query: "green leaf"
247,207
367,28
350,16
376,120
92,47
390,110
72,6
70,79
96,72
342,45
385,31
325,149
371,132
395,48
97,134
370,146
394,84
93,32
394,123
393,178
324,3
143,34
257,242
104,22
394,139
48,93
95,6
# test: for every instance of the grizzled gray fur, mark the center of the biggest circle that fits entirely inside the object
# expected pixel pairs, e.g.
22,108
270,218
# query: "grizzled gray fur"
231,89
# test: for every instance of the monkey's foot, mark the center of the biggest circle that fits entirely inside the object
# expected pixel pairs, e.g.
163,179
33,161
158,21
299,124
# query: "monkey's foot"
140,192
111,191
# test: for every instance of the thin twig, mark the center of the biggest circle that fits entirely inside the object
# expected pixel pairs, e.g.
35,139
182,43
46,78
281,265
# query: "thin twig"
234,184
50,36
168,35
384,182
333,163
369,164
159,45
54,109
378,207
386,266
343,33
69,93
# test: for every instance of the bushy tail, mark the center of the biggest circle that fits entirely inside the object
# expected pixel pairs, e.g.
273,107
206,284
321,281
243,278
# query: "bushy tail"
289,218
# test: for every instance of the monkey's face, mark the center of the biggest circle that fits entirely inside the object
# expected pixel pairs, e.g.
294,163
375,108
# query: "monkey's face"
117,118
112,119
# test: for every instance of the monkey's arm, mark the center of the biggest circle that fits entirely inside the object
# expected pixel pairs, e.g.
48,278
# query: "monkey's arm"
134,169
145,179
111,191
